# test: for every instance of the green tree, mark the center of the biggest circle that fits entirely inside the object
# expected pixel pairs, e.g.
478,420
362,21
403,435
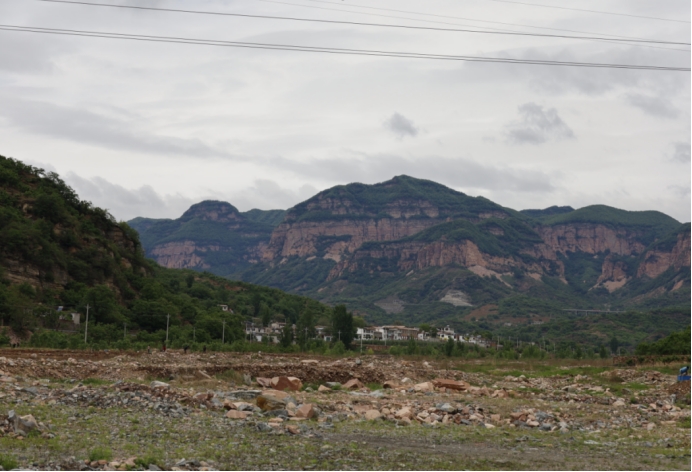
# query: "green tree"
286,338
614,345
189,280
342,325
103,307
602,352
305,328
412,347
265,313
449,347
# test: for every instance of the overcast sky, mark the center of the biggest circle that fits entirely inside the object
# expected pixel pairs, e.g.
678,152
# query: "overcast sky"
147,129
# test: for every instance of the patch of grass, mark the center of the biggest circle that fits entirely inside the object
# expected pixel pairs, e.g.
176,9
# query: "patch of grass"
313,386
374,386
615,378
147,459
100,454
93,381
685,423
230,375
8,463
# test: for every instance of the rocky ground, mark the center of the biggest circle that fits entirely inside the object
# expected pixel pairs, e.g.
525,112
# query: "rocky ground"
77,410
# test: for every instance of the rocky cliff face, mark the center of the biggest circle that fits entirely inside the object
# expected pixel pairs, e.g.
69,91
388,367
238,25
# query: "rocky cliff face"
192,255
419,255
591,239
558,243
658,261
181,255
337,222
211,235
406,224
337,238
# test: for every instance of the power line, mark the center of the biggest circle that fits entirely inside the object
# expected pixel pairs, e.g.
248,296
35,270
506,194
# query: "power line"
589,11
437,16
357,23
329,50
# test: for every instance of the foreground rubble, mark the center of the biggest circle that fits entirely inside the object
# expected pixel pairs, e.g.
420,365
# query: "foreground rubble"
209,411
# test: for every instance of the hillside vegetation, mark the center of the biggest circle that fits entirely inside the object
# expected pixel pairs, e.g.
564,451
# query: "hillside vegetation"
655,222
59,251
404,192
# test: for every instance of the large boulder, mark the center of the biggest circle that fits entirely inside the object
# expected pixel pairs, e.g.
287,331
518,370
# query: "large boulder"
269,402
306,411
451,384
353,384
372,415
237,415
287,383
264,382
22,425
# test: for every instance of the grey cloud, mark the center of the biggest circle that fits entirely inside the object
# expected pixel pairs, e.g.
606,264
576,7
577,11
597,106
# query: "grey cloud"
400,126
585,80
30,53
82,126
462,173
681,152
268,195
537,125
126,204
682,191
656,106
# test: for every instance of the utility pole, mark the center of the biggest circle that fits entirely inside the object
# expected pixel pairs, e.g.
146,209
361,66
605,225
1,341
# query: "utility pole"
125,331
168,317
194,339
339,335
86,325
223,332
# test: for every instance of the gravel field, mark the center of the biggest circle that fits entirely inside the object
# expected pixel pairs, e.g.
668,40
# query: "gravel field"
75,410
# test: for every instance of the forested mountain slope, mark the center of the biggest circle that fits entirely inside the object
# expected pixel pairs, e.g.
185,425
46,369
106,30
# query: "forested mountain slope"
59,251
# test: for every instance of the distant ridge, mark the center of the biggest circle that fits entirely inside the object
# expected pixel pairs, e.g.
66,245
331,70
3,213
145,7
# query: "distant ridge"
416,241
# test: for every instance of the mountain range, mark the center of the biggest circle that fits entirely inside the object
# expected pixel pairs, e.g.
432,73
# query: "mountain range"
412,250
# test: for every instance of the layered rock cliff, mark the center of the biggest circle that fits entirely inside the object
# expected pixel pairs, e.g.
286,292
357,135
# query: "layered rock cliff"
356,234
211,235
338,221
659,259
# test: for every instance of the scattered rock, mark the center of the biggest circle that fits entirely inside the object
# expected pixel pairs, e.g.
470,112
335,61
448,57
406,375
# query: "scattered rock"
269,402
451,384
371,415
353,384
424,387
264,382
237,415
286,383
306,411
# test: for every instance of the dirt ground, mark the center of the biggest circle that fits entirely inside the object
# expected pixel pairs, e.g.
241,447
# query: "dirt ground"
79,410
